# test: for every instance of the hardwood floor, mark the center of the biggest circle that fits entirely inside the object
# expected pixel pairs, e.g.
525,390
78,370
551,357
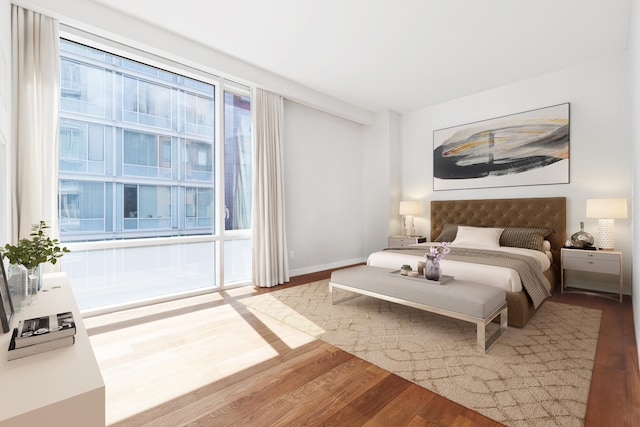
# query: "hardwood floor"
209,361
614,396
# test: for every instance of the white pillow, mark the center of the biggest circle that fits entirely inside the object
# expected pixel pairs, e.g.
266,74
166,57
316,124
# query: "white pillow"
478,237
546,247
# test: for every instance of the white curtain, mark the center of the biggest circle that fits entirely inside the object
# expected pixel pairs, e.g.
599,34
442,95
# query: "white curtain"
36,99
270,262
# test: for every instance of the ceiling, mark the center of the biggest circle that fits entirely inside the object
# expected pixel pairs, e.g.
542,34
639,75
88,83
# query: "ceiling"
397,54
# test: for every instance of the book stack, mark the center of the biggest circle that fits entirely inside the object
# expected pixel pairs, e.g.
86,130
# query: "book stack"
33,336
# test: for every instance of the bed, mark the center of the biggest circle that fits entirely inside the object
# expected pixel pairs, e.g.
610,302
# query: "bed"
511,214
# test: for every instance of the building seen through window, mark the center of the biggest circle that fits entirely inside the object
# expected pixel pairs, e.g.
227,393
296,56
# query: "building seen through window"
154,194
138,147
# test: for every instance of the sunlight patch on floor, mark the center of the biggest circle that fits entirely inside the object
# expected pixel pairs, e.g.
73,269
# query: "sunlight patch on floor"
292,337
149,310
151,363
279,310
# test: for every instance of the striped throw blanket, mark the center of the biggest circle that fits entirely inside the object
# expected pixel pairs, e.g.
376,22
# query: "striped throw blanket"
533,281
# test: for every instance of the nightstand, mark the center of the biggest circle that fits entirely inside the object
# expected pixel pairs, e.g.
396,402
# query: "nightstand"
606,262
396,241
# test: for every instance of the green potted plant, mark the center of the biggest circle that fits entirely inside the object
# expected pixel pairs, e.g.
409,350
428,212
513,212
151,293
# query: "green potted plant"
39,248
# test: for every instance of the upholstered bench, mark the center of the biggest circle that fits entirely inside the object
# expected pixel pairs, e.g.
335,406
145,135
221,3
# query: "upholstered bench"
468,301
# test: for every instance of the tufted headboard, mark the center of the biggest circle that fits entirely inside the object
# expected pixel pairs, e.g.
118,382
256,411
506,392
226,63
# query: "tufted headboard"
536,212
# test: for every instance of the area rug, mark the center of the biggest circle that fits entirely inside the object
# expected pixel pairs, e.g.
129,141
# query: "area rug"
533,376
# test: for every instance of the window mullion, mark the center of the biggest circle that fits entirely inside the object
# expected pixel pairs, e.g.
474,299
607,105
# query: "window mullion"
220,182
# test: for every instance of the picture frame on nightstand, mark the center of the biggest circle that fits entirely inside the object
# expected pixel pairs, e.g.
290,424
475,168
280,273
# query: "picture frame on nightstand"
6,307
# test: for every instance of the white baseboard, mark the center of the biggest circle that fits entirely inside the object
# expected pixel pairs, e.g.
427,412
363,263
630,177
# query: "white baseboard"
315,268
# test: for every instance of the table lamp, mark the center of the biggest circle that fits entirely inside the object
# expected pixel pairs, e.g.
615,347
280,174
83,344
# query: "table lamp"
409,208
606,210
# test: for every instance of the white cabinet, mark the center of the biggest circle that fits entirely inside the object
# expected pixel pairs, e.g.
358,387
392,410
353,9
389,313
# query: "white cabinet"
606,262
62,387
396,241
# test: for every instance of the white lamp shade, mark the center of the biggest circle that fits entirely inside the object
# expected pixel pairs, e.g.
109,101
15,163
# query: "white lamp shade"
606,208
409,207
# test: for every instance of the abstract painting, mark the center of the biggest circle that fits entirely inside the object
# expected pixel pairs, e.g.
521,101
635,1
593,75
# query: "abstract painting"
528,148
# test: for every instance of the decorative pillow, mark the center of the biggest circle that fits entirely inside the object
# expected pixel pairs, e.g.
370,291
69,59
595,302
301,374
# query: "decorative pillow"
448,233
485,237
524,237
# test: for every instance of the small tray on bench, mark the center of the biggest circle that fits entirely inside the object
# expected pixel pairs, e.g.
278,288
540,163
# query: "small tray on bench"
443,279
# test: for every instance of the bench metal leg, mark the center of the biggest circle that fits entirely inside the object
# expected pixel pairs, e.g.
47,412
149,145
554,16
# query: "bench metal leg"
334,302
485,344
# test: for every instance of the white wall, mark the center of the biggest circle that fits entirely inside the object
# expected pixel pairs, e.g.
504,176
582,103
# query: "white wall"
5,118
600,142
323,189
381,176
634,50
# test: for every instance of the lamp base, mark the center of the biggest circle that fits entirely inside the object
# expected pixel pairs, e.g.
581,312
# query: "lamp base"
409,228
606,234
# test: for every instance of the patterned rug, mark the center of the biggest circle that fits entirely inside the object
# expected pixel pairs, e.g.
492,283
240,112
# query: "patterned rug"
535,376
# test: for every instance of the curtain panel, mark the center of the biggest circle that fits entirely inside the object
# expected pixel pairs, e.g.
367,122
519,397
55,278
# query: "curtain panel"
36,100
270,262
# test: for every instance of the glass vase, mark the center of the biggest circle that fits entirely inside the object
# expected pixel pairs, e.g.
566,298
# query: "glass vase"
17,277
34,280
432,269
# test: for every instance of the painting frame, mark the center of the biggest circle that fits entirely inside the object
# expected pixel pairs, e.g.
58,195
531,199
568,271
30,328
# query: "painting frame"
521,149
6,305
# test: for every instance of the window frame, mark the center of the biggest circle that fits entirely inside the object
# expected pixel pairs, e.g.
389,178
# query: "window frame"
221,85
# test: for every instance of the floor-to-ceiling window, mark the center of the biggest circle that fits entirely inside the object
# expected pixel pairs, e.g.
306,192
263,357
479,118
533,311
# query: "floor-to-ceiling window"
155,177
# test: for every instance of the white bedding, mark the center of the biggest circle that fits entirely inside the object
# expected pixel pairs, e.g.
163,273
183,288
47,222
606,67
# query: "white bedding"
501,277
